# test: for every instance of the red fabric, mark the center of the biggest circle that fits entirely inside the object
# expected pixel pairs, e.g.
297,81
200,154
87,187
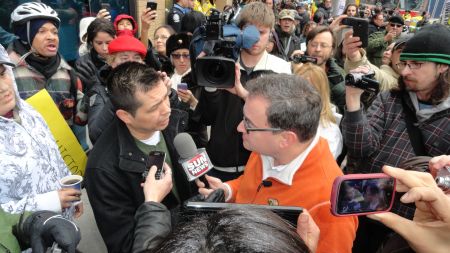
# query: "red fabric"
9,114
311,189
127,43
125,16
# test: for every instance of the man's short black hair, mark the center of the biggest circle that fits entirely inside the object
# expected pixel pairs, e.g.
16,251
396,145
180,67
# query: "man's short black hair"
128,78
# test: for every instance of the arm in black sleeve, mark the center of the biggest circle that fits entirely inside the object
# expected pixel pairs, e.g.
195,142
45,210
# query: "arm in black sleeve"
100,114
153,225
113,208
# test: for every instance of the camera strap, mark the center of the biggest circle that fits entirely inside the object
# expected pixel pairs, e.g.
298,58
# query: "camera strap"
414,133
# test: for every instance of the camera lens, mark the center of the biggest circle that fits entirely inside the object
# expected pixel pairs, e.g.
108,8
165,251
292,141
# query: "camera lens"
215,73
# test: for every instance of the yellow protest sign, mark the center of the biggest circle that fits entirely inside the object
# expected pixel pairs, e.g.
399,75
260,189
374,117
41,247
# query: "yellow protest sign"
68,145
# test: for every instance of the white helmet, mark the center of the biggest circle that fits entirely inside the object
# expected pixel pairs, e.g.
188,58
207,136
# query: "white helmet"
33,10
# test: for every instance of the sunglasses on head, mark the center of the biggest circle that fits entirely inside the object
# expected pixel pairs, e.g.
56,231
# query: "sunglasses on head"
178,56
395,25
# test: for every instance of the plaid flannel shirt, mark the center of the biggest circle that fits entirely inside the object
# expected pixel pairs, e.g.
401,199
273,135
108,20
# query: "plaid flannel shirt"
379,137
29,82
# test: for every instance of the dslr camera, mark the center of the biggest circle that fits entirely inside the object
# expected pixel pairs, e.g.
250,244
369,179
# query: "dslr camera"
221,41
303,59
363,81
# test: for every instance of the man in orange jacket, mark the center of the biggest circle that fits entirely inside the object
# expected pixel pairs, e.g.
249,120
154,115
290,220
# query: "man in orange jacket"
290,164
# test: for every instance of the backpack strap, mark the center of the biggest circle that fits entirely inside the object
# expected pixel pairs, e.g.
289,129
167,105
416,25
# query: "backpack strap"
414,133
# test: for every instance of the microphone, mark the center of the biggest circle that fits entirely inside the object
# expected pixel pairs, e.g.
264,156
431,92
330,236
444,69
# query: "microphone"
264,183
267,183
195,162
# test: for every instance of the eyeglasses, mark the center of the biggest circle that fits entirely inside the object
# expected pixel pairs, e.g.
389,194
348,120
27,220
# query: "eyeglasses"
316,45
249,129
412,65
161,37
395,25
178,56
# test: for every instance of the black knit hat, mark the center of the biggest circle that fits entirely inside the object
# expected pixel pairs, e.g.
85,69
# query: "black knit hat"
177,41
429,44
396,20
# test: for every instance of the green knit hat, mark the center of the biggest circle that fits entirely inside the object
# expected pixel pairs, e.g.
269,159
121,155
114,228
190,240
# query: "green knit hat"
431,44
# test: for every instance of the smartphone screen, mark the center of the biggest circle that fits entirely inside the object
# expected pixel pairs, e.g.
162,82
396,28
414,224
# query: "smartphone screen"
156,158
364,195
182,86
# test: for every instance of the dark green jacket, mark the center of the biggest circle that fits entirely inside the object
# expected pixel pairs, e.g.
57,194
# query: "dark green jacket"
8,241
336,82
376,47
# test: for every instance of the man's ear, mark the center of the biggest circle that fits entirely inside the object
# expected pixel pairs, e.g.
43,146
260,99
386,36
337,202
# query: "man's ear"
124,116
442,68
287,139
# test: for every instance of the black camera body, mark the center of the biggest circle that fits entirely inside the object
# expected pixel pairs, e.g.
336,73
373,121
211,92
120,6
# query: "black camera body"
303,59
362,81
217,68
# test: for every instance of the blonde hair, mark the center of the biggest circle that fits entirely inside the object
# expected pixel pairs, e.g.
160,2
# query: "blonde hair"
256,13
318,78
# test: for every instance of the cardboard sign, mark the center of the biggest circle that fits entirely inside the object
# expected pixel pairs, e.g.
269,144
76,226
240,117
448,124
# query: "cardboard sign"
69,147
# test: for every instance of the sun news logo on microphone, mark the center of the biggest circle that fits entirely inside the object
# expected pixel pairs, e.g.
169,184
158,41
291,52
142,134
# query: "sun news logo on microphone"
195,162
197,165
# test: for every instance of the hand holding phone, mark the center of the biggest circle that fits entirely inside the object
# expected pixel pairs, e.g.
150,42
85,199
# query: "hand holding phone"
362,194
360,28
157,189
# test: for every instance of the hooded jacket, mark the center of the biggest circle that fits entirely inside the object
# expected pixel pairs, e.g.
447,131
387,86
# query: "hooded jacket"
125,16
30,161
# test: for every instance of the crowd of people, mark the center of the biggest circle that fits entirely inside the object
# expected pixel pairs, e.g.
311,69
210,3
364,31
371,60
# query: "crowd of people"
290,125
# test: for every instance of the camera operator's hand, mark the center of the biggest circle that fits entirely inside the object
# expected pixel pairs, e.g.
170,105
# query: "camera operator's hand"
104,13
297,52
157,190
238,89
353,94
429,231
351,46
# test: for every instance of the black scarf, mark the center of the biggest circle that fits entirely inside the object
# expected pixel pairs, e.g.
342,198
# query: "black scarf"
46,66
98,61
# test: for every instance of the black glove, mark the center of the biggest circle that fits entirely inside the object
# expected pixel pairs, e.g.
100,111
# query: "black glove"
43,228
87,72
218,195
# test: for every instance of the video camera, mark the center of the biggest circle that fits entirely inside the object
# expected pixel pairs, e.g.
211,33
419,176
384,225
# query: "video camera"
363,81
303,59
221,41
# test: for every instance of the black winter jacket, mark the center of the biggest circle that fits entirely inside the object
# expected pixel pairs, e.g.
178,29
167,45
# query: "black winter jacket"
113,177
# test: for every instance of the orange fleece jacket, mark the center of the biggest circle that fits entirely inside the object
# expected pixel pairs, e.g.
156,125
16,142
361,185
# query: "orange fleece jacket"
311,189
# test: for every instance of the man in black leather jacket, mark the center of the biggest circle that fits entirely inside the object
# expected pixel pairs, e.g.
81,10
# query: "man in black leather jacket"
143,122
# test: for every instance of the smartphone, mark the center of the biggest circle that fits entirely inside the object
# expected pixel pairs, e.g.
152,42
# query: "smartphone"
156,158
362,194
182,86
106,6
152,5
360,28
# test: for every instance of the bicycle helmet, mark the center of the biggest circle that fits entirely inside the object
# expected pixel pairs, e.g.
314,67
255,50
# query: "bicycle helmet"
33,10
